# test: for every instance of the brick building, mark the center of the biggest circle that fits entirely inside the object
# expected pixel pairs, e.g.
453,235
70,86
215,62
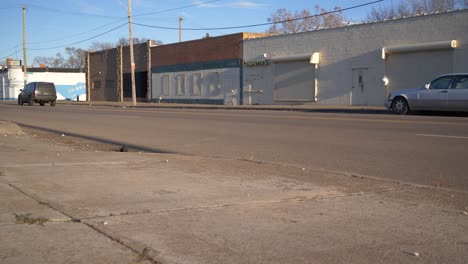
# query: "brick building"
109,73
200,71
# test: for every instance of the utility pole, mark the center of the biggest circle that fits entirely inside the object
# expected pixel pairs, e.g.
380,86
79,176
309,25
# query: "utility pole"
88,78
180,28
132,60
25,65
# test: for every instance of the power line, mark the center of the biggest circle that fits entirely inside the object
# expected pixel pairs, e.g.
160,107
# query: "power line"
70,12
177,8
81,41
268,23
9,55
14,48
78,34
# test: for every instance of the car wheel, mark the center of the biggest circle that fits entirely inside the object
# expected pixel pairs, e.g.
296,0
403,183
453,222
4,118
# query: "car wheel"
30,102
42,103
400,106
52,103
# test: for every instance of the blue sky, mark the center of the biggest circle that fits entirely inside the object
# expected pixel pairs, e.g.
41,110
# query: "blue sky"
55,24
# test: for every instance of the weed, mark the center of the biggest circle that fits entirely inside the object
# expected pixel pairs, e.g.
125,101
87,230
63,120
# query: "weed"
28,219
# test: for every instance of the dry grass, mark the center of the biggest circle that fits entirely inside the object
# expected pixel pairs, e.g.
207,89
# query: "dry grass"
28,219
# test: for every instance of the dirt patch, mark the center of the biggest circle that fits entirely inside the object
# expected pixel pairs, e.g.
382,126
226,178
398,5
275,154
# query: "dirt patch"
7,128
71,143
2,173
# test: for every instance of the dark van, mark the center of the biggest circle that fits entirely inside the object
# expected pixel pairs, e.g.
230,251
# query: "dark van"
38,92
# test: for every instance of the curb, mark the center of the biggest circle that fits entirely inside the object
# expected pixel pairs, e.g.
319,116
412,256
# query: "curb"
334,109
293,108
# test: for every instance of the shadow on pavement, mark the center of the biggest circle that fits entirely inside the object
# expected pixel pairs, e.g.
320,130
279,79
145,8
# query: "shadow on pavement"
101,140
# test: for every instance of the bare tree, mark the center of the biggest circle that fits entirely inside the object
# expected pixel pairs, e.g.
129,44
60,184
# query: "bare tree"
286,22
404,8
76,58
126,41
96,46
40,60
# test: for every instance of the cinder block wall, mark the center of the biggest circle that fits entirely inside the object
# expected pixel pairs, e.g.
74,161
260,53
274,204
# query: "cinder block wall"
103,68
140,53
359,46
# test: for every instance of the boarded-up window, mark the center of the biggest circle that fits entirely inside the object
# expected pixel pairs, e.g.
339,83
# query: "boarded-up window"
180,84
110,84
294,81
165,85
212,84
96,84
195,84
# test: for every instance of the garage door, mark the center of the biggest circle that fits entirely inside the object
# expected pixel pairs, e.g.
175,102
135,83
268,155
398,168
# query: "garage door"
294,81
412,70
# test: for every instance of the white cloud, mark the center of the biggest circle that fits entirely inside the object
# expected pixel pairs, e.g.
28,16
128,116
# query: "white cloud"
235,4
245,4
201,4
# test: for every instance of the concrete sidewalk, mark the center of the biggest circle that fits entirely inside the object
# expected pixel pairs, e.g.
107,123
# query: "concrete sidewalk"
64,205
300,108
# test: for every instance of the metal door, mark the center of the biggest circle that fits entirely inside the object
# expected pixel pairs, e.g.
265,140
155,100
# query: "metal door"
294,81
359,87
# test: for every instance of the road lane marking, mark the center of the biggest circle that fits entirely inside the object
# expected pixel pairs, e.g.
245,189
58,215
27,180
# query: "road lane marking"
119,116
441,136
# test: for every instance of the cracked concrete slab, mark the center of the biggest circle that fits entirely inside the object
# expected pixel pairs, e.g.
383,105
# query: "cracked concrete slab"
12,202
184,209
149,182
352,229
60,243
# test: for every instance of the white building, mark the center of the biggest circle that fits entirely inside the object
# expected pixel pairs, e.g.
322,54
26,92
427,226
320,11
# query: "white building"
346,65
11,81
70,83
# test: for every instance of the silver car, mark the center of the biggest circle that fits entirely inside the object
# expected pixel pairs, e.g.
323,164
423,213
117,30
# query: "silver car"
445,93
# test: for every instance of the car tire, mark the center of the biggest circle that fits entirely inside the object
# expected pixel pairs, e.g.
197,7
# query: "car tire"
41,103
30,101
52,103
400,106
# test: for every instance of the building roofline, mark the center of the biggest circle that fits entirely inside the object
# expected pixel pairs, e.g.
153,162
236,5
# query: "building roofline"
461,10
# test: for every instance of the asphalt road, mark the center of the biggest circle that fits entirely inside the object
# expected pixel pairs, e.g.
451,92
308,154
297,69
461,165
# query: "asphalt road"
420,149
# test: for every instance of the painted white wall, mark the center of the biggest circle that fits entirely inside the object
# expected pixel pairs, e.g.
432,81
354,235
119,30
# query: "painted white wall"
358,46
229,83
11,81
69,85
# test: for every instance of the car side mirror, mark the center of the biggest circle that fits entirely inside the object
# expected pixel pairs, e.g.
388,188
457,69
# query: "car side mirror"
427,86
21,90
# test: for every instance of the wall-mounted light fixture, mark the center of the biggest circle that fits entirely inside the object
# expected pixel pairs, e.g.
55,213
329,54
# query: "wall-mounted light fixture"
385,80
315,58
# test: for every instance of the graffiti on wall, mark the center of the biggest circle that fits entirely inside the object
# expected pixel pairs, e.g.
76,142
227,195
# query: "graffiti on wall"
71,92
